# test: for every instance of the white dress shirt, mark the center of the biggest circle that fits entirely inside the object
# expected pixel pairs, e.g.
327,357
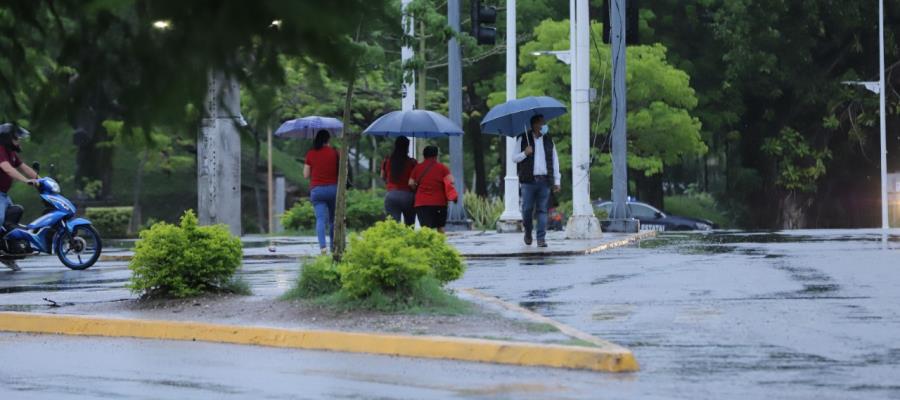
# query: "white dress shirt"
540,162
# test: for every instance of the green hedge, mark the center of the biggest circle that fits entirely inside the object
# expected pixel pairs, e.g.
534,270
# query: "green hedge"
185,260
364,209
698,205
111,222
389,262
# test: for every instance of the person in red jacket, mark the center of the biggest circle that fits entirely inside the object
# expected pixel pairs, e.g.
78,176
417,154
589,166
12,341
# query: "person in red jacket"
396,170
321,169
428,180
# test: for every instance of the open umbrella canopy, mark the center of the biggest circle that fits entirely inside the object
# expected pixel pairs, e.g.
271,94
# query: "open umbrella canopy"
307,127
413,123
513,117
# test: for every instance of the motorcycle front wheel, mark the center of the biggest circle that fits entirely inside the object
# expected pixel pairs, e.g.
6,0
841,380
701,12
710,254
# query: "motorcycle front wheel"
80,249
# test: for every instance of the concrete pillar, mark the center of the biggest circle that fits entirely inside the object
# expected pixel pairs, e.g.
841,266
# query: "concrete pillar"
582,224
280,200
511,219
219,155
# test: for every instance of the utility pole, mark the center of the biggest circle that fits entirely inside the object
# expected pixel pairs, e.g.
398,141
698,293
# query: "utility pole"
457,218
582,224
620,219
409,77
884,197
511,219
219,154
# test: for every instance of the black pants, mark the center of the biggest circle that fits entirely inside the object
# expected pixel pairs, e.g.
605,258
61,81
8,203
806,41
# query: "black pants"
432,216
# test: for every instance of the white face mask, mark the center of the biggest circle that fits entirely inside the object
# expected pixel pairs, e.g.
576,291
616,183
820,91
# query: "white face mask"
544,130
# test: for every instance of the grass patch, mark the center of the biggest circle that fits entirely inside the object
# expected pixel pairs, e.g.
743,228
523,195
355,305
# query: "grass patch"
238,286
539,327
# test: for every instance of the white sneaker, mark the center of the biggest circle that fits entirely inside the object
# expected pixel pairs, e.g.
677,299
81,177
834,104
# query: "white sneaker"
11,264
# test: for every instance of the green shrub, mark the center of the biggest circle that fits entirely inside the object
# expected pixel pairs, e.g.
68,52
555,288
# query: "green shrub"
567,209
388,266
484,212
317,277
111,222
300,216
697,205
184,260
364,209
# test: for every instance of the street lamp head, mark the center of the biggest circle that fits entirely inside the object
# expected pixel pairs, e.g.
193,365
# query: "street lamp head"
162,24
276,23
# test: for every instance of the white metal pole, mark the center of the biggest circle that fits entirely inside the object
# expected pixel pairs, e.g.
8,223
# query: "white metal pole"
582,224
409,78
881,91
512,215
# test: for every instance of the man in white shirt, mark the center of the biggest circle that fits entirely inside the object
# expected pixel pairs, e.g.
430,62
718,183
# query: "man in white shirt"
538,169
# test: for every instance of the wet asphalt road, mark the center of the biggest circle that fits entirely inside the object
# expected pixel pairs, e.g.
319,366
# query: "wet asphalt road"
806,315
732,315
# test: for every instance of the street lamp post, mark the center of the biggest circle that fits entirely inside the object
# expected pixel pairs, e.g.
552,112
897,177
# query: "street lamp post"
511,219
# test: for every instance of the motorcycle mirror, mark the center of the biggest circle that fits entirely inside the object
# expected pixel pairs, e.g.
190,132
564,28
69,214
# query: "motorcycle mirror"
36,166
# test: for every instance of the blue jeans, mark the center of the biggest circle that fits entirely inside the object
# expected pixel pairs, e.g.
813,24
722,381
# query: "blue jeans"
5,202
322,198
534,204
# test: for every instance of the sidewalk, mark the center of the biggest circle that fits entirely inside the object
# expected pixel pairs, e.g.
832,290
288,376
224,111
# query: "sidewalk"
471,244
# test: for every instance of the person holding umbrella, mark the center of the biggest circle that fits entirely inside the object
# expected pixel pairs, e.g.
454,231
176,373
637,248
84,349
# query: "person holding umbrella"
427,179
321,168
538,169
396,171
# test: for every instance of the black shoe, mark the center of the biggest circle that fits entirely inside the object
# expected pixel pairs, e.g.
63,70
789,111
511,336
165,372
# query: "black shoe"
542,243
528,238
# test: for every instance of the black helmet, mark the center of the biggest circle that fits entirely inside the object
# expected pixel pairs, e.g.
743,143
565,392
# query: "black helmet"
8,131
14,130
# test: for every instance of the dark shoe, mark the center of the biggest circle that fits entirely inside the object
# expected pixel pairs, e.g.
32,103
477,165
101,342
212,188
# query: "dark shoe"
542,243
528,238
11,264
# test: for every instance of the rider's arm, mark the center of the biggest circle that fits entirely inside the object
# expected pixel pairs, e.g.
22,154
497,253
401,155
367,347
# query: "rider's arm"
15,174
28,171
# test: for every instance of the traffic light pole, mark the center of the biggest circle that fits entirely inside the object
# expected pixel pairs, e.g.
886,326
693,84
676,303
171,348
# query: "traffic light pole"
511,219
456,214
620,219
408,101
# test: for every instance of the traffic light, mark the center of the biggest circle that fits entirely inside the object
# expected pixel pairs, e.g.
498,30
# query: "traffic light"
632,13
483,15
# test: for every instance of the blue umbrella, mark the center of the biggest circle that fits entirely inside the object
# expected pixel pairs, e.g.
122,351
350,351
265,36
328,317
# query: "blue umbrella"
514,117
307,127
413,123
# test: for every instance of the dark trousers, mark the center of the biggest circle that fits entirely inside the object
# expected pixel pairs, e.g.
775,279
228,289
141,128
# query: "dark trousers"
535,196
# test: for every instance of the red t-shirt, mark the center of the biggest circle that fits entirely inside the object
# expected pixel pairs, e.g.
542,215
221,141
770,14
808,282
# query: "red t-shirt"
404,177
323,166
431,186
13,159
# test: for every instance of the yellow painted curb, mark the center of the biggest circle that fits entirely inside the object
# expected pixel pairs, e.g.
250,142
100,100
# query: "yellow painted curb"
439,347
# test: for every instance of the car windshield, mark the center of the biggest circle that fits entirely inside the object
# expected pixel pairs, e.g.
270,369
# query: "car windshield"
643,211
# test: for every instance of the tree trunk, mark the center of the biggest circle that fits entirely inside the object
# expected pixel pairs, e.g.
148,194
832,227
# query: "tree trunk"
136,216
793,210
373,165
477,144
340,212
93,162
649,188
261,211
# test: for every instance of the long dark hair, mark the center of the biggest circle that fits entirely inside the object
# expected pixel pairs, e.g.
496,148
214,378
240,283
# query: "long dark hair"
399,159
322,138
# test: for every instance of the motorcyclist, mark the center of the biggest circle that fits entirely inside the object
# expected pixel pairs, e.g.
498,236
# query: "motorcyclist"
12,167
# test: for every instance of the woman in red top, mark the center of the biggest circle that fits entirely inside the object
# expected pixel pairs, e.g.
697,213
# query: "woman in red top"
322,171
399,200
431,200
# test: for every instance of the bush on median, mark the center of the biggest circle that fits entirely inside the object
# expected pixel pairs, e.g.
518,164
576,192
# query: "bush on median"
111,222
364,209
185,260
387,267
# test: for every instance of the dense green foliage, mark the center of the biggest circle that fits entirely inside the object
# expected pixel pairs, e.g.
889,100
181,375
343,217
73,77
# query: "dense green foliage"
698,205
389,263
184,260
111,222
364,209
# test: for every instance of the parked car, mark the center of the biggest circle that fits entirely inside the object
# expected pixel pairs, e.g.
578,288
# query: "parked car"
653,219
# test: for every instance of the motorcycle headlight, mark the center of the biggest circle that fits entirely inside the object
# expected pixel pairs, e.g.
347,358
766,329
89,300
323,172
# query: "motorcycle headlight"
54,187
700,226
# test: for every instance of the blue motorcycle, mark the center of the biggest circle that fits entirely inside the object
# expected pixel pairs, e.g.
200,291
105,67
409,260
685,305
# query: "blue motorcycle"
74,240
